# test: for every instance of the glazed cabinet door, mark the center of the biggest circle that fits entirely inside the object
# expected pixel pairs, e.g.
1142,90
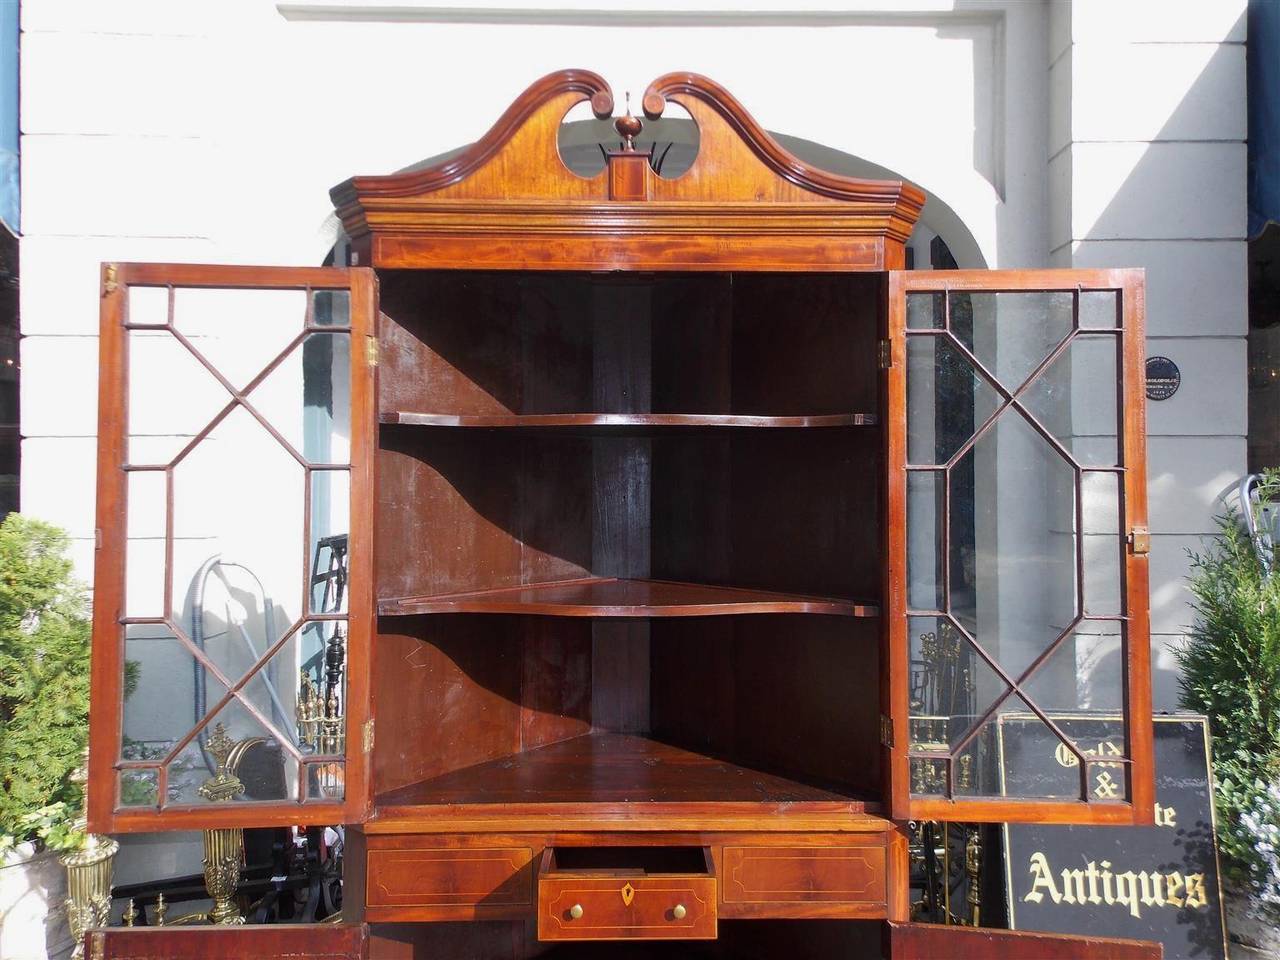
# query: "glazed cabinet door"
232,593
1017,635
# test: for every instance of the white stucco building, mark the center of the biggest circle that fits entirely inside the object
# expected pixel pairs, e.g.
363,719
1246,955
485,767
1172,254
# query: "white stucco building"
1046,133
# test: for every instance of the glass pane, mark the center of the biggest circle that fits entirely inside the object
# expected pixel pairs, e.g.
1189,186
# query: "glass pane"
167,691
1037,763
1077,399
307,398
332,308
303,685
1103,545
171,396
925,311
1018,755
924,538
238,510
144,578
1108,781
326,782
139,788
1085,672
266,770
239,331
1011,333
928,777
330,523
1100,309
947,400
1013,546
950,685
149,305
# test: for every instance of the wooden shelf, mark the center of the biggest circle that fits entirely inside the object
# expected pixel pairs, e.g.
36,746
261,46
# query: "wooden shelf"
609,774
610,422
605,597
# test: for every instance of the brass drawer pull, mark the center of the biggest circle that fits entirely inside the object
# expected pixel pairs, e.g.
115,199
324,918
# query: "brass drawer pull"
679,912
575,912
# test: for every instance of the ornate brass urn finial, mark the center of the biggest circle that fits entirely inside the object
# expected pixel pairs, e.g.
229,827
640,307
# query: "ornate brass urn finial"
628,128
224,848
88,874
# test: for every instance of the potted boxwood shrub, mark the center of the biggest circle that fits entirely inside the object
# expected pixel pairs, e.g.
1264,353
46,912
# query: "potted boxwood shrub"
44,705
1231,672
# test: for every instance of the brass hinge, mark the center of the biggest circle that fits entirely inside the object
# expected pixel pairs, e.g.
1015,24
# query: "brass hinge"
371,351
1140,541
367,736
110,281
886,731
886,354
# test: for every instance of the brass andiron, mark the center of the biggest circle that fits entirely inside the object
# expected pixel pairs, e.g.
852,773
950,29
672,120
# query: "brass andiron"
973,873
88,876
224,847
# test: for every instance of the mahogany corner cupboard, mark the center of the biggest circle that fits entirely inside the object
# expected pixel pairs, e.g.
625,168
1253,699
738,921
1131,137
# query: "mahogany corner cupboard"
623,557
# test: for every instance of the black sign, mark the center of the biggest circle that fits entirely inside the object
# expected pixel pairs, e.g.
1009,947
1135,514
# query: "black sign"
1142,883
1163,378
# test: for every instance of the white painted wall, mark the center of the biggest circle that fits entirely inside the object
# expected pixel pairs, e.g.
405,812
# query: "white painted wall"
1147,164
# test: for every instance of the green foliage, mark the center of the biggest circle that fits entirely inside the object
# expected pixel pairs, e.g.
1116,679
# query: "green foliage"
1231,673
44,683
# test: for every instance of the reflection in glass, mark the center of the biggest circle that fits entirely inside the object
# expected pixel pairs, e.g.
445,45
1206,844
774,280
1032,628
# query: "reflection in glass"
1013,559
1075,399
1009,542
924,525
307,398
947,400
139,787
1100,309
331,308
1016,736
171,397
925,311
258,544
266,769
238,331
1011,333
330,523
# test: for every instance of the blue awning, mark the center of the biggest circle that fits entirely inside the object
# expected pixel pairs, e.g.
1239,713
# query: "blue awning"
1264,114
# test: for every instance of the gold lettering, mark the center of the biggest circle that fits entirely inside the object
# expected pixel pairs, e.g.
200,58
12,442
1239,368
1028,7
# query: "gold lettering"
1127,892
1195,890
1166,816
1041,877
1091,871
1099,883
1152,888
1062,753
1073,887
1106,882
1107,788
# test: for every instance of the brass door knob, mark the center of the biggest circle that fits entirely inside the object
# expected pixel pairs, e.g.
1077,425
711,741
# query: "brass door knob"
679,912
575,912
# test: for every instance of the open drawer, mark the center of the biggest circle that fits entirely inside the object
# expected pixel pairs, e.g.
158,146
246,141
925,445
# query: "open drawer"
626,893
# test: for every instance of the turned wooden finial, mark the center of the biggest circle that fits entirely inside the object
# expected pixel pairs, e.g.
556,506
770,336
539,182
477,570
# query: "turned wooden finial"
628,127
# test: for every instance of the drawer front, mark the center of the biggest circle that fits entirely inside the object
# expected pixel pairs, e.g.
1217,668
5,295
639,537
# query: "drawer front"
826,874
489,877
627,908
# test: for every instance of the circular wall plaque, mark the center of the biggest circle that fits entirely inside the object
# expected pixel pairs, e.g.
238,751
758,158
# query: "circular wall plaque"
1163,378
